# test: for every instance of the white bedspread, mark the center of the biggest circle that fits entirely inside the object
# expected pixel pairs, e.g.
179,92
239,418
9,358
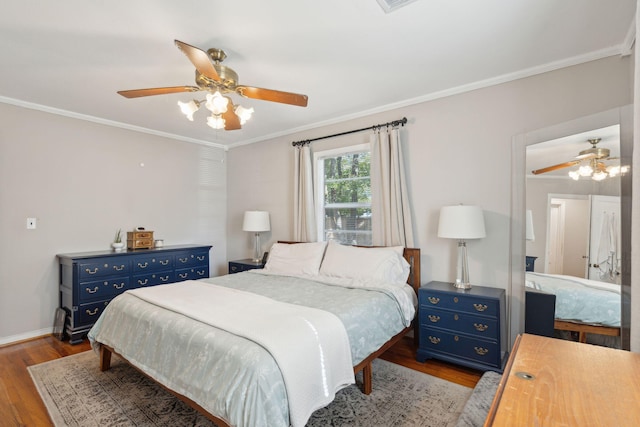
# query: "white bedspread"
311,378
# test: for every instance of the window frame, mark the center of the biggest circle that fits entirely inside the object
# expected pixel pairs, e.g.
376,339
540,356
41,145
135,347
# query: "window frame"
318,184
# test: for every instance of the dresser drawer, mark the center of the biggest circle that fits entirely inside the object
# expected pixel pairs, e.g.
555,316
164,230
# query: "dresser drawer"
192,273
152,279
460,346
480,326
190,258
101,289
103,267
152,263
89,313
459,302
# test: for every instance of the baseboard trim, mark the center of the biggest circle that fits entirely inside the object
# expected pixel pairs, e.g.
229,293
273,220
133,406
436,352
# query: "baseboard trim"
27,336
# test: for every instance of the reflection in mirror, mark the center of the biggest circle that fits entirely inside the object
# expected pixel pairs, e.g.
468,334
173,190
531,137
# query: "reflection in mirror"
574,231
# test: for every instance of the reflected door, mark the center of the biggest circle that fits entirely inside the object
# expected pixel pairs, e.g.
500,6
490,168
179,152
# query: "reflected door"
604,245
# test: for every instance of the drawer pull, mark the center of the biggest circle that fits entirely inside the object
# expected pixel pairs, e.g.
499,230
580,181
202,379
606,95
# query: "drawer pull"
434,318
183,260
234,268
183,275
95,270
481,351
200,272
92,291
480,307
434,340
456,317
116,268
480,327
164,279
200,258
145,265
140,282
164,262
92,313
115,285
434,300
455,299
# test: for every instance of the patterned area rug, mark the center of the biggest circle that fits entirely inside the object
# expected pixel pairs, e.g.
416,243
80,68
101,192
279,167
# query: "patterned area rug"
76,393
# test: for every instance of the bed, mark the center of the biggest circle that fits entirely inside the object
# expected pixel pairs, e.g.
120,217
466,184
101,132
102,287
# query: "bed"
582,305
190,338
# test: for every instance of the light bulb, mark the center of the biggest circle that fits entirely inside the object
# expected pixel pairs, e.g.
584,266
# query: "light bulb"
189,108
599,176
216,103
585,170
215,122
575,175
244,113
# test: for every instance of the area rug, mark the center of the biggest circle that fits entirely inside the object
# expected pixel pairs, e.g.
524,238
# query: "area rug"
76,393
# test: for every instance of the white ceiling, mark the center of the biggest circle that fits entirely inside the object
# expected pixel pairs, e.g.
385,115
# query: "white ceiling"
350,57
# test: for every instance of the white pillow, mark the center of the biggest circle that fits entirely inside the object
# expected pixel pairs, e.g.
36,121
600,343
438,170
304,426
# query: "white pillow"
295,259
386,264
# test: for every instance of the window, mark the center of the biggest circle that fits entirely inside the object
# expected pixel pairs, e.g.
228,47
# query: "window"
344,195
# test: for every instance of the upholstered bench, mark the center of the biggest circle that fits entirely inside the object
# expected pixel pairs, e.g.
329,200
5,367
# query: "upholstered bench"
477,407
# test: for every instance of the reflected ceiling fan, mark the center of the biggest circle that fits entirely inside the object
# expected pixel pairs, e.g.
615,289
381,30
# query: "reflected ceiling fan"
218,81
590,162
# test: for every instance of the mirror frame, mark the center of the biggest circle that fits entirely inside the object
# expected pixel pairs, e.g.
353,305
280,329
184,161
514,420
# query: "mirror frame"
516,290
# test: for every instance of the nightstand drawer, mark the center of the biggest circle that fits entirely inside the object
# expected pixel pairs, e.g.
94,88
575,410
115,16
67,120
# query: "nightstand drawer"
459,302
459,322
460,346
244,265
102,267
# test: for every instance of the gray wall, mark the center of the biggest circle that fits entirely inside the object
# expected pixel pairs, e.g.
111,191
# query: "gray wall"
83,181
458,150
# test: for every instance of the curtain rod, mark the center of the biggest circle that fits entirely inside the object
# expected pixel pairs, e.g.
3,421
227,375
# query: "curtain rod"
400,122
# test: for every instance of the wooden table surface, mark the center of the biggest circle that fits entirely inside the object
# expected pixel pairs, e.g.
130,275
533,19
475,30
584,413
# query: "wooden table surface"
552,382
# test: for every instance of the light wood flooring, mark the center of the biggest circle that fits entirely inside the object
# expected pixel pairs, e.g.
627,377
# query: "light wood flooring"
20,403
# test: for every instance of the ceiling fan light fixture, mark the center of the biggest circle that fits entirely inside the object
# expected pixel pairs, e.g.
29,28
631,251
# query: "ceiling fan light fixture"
244,113
215,122
599,175
216,103
585,170
189,108
574,175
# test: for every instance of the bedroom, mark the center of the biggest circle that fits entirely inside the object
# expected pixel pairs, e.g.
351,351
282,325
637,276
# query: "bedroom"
83,180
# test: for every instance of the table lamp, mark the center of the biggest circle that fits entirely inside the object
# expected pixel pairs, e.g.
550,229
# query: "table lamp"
461,222
256,222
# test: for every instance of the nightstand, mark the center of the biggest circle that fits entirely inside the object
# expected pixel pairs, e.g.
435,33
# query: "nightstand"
465,327
244,265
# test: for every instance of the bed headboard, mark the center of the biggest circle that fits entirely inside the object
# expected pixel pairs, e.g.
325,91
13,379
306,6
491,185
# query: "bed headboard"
412,255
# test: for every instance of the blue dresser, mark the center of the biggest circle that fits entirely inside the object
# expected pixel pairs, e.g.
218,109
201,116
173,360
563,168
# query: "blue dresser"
462,326
90,280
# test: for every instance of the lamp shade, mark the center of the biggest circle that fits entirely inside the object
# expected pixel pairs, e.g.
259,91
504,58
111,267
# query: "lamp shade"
529,234
461,222
256,221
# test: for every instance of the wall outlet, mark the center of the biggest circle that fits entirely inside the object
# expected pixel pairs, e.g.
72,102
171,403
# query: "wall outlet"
31,223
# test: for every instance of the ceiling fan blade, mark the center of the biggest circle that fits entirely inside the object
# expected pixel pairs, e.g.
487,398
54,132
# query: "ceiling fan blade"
231,119
137,93
555,167
273,95
199,59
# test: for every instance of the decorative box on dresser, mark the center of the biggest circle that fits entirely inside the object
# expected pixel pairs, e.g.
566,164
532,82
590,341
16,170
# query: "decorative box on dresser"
244,265
462,326
90,280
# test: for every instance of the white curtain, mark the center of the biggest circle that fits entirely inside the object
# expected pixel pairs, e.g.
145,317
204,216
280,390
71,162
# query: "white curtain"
390,212
304,218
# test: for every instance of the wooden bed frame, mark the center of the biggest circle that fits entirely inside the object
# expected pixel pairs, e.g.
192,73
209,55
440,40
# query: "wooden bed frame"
583,329
412,255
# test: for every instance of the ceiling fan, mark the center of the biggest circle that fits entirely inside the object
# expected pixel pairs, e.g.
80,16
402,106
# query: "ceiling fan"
218,80
592,160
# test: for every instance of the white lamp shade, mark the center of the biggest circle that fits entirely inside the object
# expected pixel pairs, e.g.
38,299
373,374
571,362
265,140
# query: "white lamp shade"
461,222
256,221
529,234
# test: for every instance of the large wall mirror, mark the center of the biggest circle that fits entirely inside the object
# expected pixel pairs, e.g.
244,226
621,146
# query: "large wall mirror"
571,225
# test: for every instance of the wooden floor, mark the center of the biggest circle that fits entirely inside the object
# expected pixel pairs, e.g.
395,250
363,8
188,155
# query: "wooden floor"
20,403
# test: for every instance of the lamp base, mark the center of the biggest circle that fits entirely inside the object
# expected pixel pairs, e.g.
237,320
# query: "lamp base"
461,285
